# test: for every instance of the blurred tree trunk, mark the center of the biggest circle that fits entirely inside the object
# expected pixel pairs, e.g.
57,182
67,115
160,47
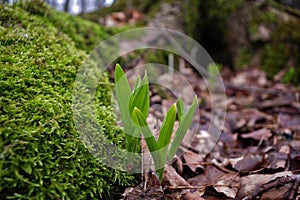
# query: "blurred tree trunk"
83,6
100,3
4,2
66,6
52,3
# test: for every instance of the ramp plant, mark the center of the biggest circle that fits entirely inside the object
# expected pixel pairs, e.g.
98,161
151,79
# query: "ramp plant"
134,108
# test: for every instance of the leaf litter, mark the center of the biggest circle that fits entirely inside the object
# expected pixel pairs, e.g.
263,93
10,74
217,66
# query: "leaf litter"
256,156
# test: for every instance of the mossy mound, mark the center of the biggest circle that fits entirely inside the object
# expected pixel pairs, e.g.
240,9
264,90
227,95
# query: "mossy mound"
85,34
41,155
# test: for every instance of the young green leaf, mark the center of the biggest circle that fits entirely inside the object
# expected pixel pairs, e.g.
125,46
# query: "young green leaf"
213,72
137,83
165,137
184,125
180,107
159,160
135,105
140,120
167,127
123,93
133,140
140,97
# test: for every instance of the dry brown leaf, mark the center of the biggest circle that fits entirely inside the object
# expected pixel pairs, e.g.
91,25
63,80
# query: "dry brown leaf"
247,118
277,193
276,160
192,196
226,183
251,76
172,178
193,161
251,183
138,193
178,165
249,163
295,155
209,177
229,184
289,121
258,134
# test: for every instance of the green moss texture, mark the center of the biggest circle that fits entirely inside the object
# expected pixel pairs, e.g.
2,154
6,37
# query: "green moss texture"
41,155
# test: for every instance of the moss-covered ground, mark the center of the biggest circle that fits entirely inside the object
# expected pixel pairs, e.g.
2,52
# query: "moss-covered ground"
41,155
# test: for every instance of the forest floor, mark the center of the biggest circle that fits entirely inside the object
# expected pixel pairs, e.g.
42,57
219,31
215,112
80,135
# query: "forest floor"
257,154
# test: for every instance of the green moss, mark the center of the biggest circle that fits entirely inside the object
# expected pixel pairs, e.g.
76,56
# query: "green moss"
269,17
244,58
290,76
191,16
41,155
85,34
281,50
283,47
273,58
156,56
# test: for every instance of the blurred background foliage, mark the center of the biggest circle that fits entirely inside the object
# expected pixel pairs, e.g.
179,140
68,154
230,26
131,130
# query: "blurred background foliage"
237,34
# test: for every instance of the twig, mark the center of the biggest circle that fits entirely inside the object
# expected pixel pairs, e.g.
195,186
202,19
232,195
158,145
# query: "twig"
198,163
201,187
181,187
294,190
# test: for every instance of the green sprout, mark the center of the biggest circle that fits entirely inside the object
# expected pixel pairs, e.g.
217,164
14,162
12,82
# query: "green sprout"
213,72
134,108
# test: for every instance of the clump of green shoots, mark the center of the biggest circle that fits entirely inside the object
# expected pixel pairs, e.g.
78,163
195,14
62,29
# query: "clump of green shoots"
134,107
